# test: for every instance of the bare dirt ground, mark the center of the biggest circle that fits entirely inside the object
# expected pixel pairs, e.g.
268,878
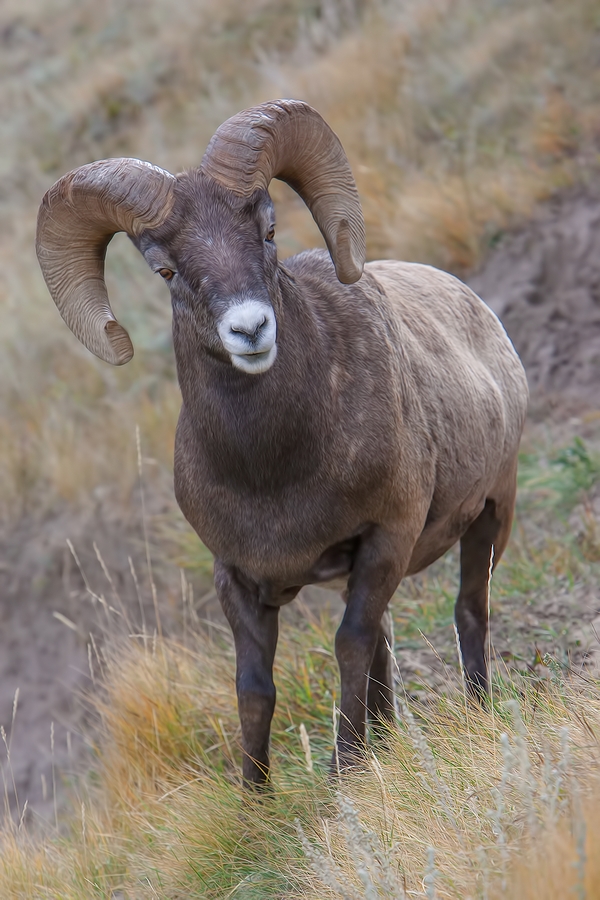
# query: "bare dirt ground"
47,615
544,283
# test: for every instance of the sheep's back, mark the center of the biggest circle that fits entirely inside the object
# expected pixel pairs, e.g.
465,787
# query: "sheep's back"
464,388
448,337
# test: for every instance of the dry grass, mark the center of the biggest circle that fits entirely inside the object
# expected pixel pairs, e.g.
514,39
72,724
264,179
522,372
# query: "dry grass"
456,803
458,120
551,869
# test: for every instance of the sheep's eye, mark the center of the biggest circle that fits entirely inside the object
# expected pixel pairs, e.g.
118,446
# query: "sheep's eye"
270,234
167,274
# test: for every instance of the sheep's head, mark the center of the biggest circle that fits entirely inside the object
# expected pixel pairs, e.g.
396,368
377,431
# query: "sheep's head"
208,232
217,254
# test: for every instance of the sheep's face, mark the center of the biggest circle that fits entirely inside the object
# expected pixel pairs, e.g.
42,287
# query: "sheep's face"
218,256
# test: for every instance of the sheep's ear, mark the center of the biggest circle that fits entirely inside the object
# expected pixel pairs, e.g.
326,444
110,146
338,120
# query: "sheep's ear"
77,218
289,140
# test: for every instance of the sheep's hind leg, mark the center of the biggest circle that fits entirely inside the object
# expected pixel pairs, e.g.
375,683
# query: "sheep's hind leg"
490,529
255,629
381,701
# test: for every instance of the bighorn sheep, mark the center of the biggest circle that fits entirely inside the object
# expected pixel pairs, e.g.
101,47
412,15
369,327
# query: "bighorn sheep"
336,423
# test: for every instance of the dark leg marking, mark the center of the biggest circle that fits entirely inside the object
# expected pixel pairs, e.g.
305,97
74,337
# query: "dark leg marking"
255,629
360,641
471,611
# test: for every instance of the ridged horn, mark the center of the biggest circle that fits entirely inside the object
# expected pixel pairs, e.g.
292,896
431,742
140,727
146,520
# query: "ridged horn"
289,140
77,218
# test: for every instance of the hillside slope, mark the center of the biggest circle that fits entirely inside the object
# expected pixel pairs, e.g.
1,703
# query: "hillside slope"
459,117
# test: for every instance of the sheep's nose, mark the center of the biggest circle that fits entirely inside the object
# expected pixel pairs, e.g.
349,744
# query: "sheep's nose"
249,328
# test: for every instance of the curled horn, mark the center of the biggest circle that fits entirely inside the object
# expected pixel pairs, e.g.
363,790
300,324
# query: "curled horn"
288,139
77,218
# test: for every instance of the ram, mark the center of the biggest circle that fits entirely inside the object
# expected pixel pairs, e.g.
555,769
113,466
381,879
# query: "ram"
340,421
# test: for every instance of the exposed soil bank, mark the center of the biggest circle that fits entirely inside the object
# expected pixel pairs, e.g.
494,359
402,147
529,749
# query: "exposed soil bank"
48,610
544,284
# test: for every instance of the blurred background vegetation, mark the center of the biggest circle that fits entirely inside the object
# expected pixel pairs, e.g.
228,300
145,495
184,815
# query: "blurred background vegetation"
458,117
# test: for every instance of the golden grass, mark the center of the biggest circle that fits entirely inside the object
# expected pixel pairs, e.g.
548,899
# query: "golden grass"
456,803
469,118
552,868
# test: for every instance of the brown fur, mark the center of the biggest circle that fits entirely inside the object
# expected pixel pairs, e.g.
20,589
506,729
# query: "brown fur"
386,430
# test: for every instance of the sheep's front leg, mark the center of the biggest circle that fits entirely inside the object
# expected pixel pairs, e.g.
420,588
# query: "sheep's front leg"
377,571
255,630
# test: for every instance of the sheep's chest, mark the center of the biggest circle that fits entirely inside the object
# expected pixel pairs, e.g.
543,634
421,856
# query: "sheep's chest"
285,540
286,520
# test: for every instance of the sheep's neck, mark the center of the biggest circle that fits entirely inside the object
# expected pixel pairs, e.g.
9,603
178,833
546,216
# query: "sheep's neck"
263,431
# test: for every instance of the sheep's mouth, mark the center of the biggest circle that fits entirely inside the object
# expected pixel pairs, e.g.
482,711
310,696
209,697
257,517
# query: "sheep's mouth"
255,363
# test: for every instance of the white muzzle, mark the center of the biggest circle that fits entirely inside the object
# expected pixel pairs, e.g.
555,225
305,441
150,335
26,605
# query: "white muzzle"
248,331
